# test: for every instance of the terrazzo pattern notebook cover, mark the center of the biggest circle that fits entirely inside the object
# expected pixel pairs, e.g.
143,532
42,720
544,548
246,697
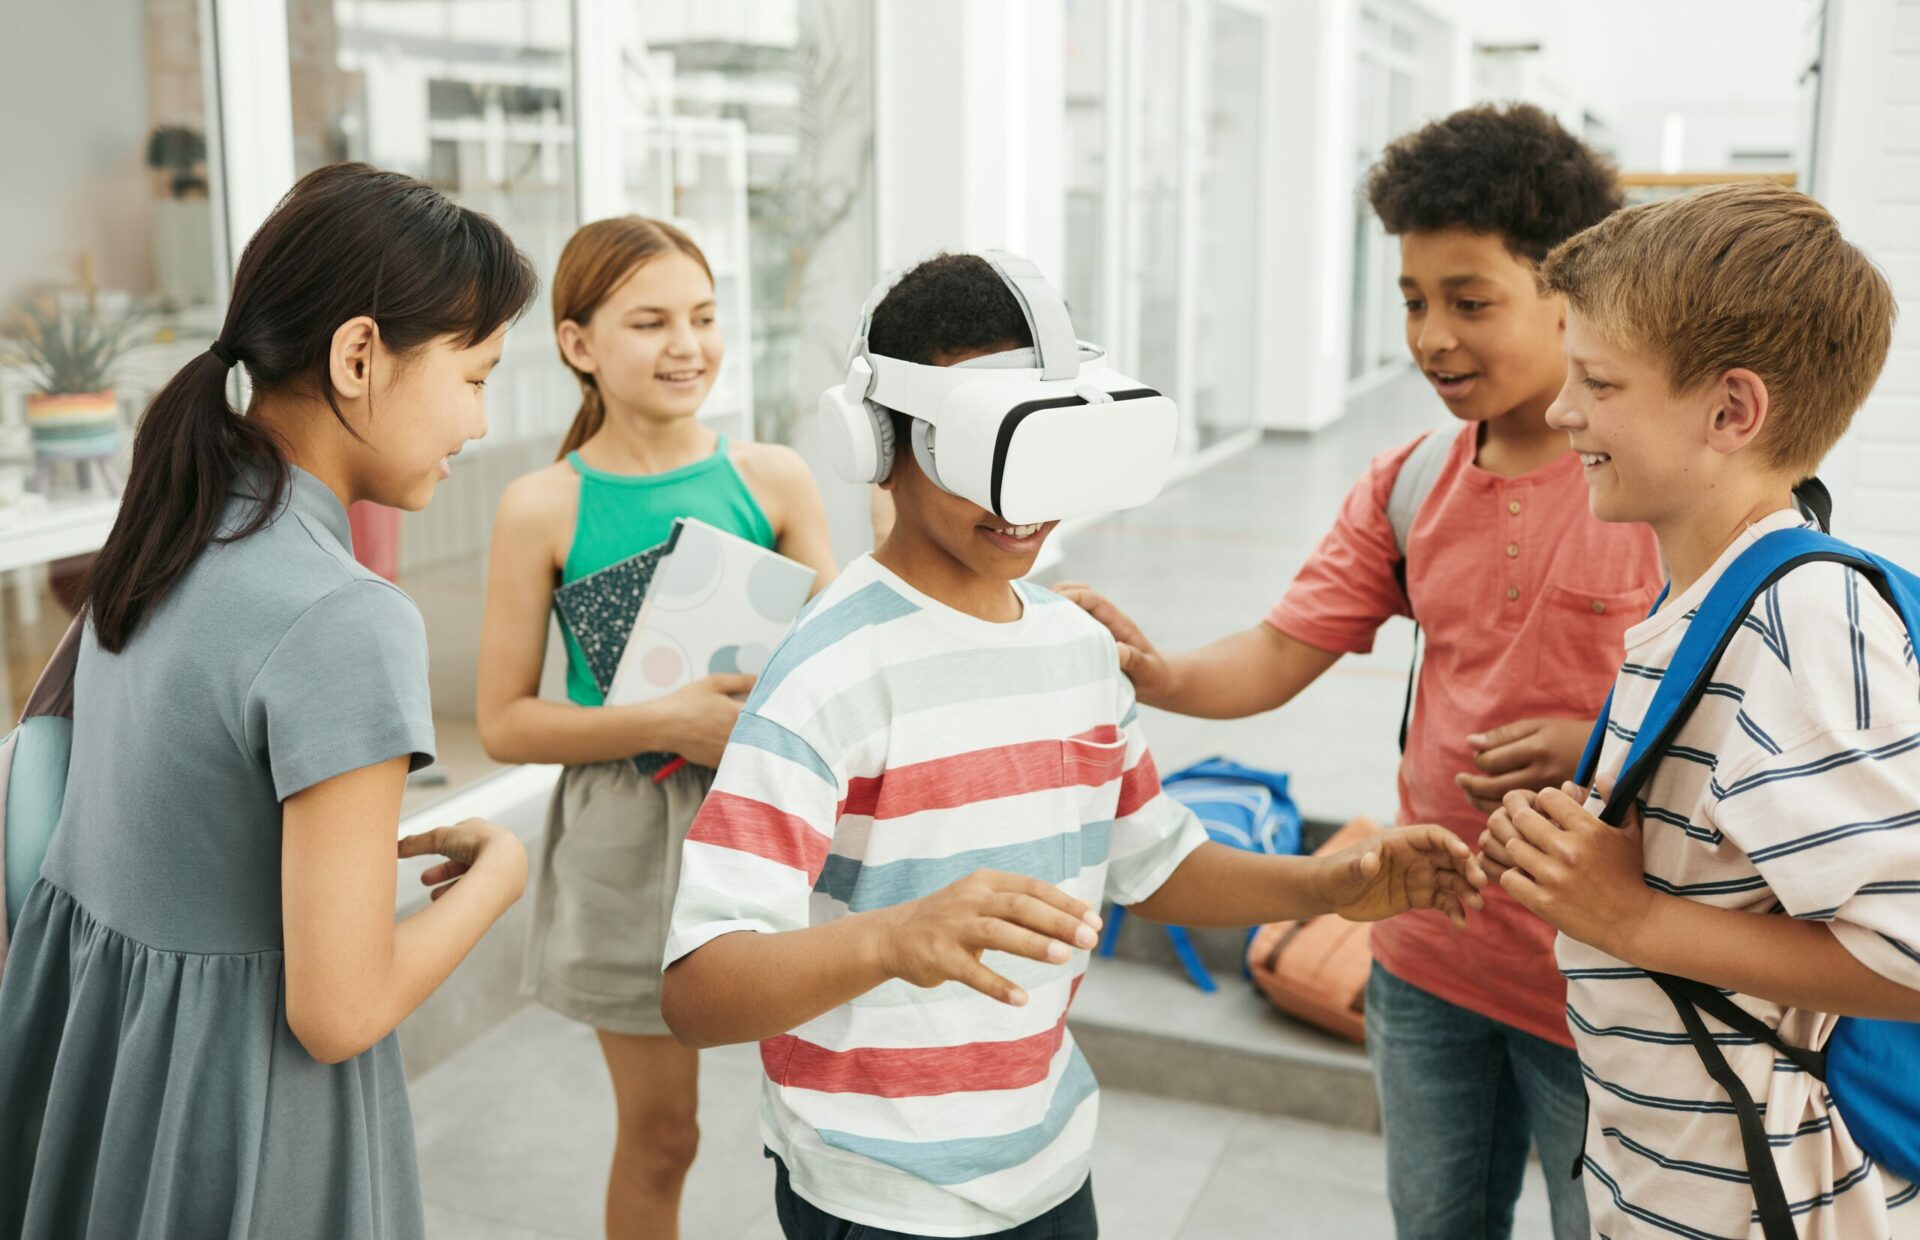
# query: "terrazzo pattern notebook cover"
717,603
598,611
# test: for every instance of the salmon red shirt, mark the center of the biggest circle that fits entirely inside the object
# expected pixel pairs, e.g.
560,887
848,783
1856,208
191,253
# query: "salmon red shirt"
1524,599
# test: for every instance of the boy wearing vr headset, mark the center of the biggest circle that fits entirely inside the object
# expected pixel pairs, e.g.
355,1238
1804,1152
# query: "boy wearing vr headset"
938,778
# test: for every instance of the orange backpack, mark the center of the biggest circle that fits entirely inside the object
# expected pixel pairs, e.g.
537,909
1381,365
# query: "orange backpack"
1316,970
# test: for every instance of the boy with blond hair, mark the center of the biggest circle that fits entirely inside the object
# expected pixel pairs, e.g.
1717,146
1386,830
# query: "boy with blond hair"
1718,345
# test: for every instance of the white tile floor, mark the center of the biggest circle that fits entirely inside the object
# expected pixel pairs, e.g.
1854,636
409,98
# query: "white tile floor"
516,1130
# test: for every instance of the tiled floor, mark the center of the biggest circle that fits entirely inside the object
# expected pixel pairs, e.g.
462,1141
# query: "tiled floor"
515,1131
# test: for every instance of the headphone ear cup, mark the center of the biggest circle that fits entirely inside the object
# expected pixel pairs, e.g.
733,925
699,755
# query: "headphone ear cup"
882,441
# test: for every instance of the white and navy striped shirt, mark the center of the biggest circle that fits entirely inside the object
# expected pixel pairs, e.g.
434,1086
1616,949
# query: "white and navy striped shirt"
1793,789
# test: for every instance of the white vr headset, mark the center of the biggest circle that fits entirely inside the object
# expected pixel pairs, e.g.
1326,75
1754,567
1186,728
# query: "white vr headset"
1031,435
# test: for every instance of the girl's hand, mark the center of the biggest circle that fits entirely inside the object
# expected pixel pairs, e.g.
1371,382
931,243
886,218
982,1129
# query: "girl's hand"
463,845
1406,868
1144,665
703,714
1581,876
1523,756
940,938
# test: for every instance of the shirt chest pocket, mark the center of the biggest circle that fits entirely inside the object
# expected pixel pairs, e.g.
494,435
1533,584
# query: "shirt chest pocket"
1092,771
1581,640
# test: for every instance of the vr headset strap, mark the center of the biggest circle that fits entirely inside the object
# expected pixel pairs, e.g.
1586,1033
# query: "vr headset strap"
1047,317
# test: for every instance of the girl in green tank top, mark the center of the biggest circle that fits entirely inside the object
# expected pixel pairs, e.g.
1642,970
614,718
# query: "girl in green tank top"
633,305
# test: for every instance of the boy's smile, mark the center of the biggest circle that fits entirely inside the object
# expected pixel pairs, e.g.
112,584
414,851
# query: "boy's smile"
1017,540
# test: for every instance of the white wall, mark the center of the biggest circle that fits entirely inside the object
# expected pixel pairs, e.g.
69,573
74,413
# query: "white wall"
1870,179
1729,67
969,118
79,186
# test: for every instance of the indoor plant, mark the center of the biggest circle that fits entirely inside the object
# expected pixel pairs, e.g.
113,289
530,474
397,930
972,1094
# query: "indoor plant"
72,344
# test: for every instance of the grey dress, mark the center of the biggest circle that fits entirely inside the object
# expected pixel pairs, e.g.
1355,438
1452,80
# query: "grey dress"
149,1084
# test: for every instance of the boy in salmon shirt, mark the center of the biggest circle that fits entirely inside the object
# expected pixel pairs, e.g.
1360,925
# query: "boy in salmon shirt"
1523,597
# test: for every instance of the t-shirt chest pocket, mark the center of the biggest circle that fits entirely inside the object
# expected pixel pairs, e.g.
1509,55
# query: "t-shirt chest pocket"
1091,766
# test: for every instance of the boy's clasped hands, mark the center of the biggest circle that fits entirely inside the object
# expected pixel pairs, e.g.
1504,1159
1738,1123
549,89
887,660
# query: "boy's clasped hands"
1583,877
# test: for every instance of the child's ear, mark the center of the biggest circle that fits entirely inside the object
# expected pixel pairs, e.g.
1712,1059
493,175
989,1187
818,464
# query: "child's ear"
350,356
1740,410
573,346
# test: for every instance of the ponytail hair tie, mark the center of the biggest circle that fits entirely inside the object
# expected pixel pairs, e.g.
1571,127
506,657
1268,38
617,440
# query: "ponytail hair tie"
228,357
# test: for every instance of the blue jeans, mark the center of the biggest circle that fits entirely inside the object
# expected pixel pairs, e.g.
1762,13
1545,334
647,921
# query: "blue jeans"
800,1219
1461,1098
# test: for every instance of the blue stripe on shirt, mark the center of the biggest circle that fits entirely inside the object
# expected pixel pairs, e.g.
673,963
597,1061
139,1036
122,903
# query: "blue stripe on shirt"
959,1159
758,732
1055,859
1819,766
1833,835
874,603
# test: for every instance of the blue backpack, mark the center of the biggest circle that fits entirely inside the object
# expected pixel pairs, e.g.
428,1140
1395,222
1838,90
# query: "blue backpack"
33,778
1871,1067
1240,806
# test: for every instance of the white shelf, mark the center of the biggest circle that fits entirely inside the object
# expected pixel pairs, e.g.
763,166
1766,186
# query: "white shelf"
65,527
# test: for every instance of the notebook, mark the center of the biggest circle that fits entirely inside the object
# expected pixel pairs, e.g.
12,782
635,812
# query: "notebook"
717,603
599,609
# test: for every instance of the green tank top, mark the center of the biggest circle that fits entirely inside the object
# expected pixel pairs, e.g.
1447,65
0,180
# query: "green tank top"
622,515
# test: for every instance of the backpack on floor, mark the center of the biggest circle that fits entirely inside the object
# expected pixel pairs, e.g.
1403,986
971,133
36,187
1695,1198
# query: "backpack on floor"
1315,970
1240,806
33,777
1869,1066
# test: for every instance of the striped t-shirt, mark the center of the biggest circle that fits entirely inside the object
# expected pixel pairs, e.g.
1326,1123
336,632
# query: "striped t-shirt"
1793,789
893,746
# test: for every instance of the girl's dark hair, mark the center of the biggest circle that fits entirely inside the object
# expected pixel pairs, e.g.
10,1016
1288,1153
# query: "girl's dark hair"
348,240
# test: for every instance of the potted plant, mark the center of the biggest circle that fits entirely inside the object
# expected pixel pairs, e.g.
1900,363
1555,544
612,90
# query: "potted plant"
179,150
73,344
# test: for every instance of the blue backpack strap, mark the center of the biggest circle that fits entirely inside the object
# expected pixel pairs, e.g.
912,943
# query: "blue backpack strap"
1770,558
1726,606
1590,760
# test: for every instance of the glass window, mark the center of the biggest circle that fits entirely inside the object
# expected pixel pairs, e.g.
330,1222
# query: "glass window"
474,96
112,231
1157,177
1087,167
1383,109
752,125
1232,176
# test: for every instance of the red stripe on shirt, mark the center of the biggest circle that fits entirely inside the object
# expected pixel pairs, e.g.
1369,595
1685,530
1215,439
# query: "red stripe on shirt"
914,1071
1138,786
727,820
988,774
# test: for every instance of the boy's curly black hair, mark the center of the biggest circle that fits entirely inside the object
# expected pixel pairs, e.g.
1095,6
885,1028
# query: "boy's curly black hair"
1507,170
951,303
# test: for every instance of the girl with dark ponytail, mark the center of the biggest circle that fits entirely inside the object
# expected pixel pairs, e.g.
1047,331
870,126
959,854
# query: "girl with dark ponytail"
198,1010
636,322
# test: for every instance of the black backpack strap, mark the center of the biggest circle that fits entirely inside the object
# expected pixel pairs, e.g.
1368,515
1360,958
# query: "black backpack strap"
1763,1175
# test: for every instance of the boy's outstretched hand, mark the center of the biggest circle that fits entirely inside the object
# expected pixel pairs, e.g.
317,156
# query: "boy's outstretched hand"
1405,868
1579,875
941,937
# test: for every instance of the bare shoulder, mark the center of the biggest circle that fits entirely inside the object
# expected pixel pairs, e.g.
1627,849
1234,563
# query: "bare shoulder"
773,463
541,504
